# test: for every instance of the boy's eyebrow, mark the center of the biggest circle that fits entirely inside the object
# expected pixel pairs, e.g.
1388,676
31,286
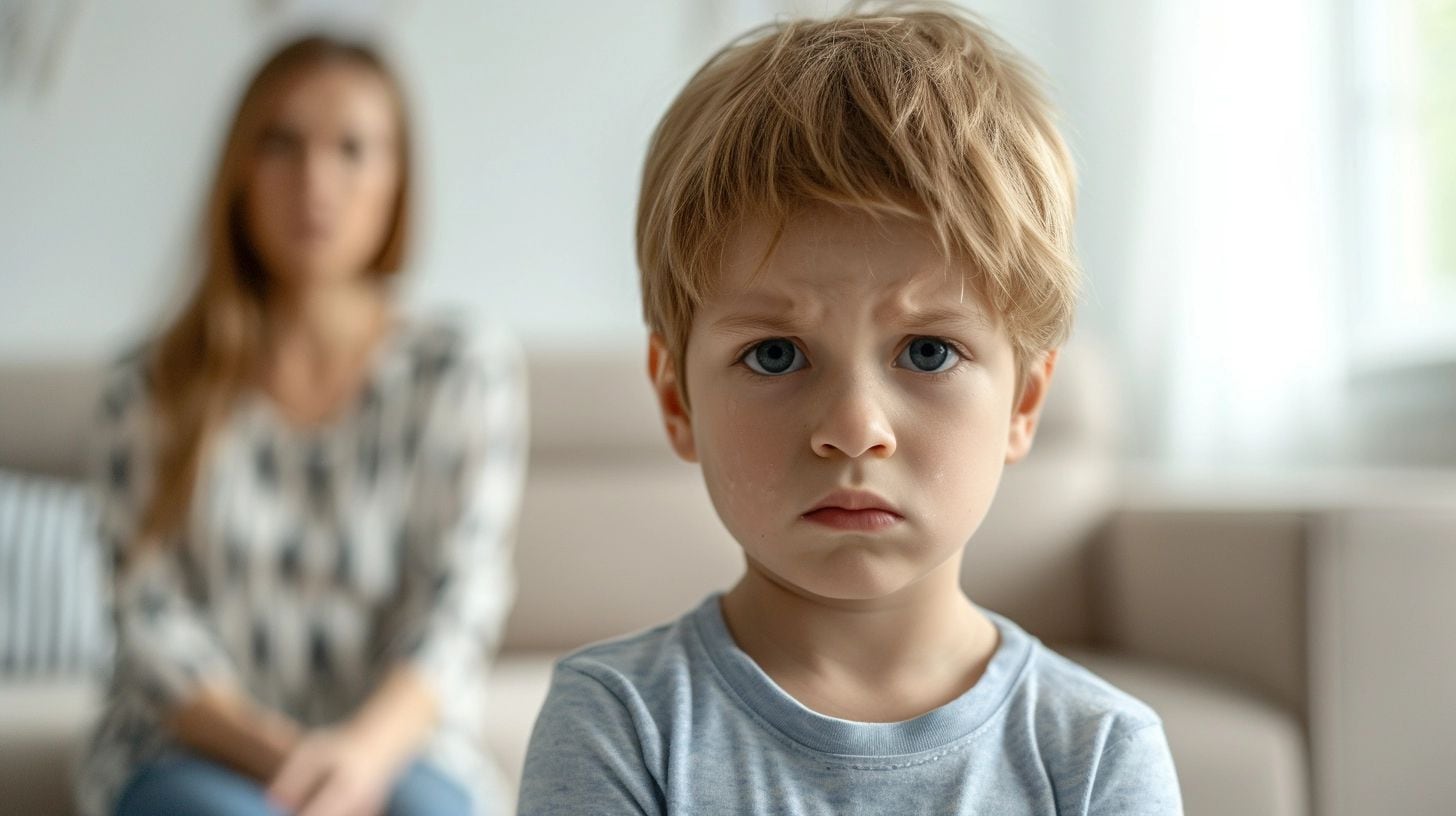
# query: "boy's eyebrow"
751,323
939,317
757,322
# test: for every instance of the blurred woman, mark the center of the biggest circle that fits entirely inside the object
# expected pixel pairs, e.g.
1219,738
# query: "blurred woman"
308,495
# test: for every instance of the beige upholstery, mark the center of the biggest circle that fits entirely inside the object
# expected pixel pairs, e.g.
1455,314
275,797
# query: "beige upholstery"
1200,609
45,411
1384,666
1236,581
41,722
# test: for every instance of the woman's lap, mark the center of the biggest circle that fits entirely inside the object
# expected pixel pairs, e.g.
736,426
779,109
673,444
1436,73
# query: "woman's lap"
183,783
425,790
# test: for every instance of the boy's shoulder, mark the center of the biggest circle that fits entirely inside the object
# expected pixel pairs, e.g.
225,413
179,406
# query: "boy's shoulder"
639,660
1065,700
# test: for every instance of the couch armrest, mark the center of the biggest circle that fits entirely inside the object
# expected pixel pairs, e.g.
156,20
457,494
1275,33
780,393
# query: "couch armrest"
1384,659
1221,591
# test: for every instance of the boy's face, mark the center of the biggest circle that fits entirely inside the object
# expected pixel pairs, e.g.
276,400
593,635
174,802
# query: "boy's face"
852,403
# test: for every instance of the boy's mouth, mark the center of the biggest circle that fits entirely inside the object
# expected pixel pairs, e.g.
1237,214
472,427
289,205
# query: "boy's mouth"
864,521
854,510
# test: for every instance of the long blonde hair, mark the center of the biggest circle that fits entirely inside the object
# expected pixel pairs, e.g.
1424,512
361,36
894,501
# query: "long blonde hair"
213,350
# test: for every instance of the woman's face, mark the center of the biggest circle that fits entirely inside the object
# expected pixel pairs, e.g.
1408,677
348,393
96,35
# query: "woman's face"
325,176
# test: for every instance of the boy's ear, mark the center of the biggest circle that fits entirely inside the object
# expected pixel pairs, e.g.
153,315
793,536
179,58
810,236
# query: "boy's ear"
662,370
1027,410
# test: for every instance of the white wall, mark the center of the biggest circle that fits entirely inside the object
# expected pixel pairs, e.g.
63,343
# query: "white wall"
533,119
531,122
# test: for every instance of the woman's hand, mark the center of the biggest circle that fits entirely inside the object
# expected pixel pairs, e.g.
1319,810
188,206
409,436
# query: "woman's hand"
351,769
336,772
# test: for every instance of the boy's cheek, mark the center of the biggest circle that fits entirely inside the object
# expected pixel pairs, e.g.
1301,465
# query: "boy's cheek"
746,466
957,469
977,481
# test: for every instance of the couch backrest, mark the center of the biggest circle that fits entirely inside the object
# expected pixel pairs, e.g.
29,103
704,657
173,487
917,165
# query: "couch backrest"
46,411
616,534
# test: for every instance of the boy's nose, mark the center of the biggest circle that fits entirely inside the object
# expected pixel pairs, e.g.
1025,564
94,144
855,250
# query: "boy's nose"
854,425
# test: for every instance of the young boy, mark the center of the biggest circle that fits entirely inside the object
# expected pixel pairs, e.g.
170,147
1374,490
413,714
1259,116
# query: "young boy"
855,238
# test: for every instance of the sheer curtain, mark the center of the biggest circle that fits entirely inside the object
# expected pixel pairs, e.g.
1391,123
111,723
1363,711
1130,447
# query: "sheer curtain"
1232,320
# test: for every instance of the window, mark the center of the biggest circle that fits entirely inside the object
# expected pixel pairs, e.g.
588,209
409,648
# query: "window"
1401,211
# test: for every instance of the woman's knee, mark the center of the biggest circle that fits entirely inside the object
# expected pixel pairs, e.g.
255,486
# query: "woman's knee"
185,784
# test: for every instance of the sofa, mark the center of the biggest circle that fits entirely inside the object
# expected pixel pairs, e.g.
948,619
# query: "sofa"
1238,611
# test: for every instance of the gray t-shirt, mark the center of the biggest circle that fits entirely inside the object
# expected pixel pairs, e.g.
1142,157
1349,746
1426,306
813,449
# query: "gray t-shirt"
679,720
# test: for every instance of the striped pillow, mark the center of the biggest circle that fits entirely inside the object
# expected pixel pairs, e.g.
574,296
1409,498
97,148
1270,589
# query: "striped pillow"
52,592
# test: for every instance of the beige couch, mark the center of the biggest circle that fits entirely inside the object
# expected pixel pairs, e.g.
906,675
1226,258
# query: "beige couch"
1236,616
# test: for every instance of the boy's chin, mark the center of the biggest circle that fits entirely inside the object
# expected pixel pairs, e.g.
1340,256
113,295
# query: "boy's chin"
845,579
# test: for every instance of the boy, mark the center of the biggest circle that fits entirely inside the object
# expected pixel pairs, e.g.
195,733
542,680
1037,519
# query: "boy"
855,238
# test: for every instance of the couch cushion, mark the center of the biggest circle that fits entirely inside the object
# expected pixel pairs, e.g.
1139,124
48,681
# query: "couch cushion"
609,549
1234,752
1221,592
42,728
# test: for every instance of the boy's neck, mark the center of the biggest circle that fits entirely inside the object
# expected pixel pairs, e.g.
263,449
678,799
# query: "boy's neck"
886,660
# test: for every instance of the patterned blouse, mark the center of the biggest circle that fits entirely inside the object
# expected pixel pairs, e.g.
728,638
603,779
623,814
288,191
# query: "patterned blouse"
314,561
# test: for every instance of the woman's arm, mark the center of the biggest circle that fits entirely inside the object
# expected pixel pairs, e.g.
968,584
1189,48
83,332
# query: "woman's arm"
398,717
351,768
163,639
458,583
222,724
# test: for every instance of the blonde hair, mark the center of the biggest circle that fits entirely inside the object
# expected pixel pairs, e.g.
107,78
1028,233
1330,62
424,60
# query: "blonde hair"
915,110
212,352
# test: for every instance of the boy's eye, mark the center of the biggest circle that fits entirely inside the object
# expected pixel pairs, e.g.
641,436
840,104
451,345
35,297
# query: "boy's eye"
774,357
928,354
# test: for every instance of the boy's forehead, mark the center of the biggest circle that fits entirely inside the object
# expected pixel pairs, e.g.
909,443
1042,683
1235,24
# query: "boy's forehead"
831,259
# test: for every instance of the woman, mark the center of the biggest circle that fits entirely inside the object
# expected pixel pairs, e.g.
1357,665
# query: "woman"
308,497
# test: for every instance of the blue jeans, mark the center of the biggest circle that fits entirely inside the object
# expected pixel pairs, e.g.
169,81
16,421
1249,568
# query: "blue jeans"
184,783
